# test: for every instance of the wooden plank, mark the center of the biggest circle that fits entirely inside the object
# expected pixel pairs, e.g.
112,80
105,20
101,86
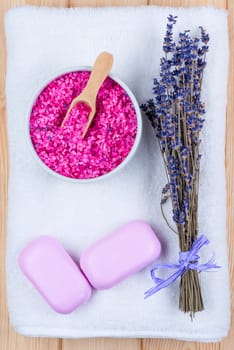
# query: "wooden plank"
50,3
78,3
102,343
189,3
228,343
9,339
163,344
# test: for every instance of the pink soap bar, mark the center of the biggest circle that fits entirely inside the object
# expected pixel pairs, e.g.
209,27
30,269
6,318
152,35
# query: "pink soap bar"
120,254
54,274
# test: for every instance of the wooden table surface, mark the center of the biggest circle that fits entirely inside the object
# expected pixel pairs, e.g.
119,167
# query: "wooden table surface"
9,340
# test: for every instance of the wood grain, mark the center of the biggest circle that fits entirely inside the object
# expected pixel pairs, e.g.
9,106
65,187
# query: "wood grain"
102,344
189,3
76,3
228,343
9,340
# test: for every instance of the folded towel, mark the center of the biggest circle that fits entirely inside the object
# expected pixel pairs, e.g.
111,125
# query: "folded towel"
42,41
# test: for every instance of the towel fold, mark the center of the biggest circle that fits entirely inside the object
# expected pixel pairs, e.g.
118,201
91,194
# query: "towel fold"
42,41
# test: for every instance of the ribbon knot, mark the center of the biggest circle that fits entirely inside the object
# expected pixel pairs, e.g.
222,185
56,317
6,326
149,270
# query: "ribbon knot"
187,260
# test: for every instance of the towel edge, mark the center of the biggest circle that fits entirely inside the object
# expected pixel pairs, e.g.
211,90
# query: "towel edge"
80,334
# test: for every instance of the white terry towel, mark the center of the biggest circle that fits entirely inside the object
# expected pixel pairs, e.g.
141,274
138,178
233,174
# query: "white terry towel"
42,41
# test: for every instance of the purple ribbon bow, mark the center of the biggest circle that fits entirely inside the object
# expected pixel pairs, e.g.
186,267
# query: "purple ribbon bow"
187,260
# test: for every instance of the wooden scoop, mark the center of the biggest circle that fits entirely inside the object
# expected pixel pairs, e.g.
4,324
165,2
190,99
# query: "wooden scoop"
101,69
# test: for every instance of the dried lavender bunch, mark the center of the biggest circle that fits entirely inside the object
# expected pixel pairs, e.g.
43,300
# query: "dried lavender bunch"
176,114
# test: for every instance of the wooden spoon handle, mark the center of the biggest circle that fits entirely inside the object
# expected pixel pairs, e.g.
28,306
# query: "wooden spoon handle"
100,71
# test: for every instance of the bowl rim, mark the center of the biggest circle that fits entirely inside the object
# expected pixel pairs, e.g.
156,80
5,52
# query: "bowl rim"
33,99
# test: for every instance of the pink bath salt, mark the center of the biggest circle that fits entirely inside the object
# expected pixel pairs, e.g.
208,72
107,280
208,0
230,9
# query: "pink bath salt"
108,141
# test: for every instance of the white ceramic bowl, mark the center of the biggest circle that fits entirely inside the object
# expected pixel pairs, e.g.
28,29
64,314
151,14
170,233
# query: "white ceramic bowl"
112,172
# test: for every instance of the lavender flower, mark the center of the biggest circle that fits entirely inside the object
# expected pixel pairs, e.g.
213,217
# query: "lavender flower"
169,45
176,115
